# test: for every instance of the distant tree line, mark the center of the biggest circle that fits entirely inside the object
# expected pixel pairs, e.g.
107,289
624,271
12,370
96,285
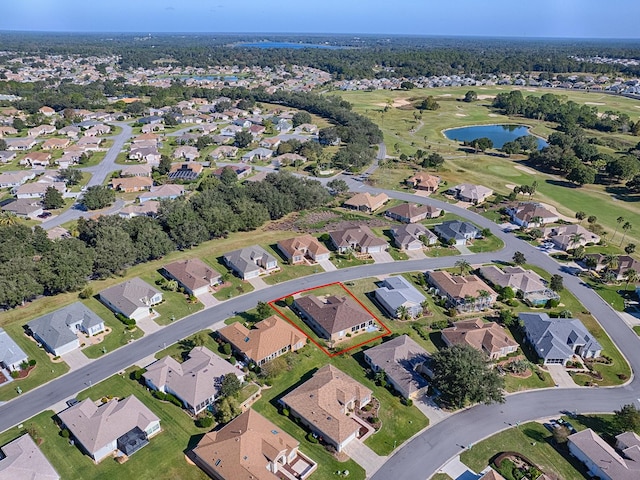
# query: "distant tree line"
32,265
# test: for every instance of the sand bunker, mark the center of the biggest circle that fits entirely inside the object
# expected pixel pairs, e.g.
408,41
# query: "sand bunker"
445,95
493,115
486,97
594,103
460,115
510,186
531,90
526,169
399,102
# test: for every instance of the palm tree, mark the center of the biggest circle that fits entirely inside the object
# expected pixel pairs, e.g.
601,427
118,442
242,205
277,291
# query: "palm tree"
581,216
625,228
425,308
619,221
609,277
610,261
463,265
468,300
537,221
8,218
402,312
591,263
631,276
483,295
576,238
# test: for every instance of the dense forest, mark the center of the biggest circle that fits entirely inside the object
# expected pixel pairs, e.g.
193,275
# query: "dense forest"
32,265
358,57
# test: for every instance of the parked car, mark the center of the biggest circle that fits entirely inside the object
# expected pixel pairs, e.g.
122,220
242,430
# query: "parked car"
45,215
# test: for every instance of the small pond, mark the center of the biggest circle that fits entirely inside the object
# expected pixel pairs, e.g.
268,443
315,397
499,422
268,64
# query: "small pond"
499,134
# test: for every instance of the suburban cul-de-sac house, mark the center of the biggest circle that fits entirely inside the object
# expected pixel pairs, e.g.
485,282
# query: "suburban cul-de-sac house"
359,239
134,298
11,355
466,293
488,337
195,382
556,340
412,212
250,262
324,404
425,182
21,459
335,317
468,192
297,249
457,232
365,202
251,447
565,237
526,283
530,214
114,428
268,339
602,460
58,331
399,298
404,362
413,236
195,276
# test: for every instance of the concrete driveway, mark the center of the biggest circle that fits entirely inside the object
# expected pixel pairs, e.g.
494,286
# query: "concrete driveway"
464,250
560,376
147,325
76,359
257,283
382,257
208,300
416,254
364,456
430,410
458,470
327,265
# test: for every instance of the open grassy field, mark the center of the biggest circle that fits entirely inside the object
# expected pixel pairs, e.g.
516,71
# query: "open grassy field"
403,131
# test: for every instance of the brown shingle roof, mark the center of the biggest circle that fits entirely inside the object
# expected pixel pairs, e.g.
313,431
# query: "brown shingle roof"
372,202
336,315
193,273
488,337
459,286
297,245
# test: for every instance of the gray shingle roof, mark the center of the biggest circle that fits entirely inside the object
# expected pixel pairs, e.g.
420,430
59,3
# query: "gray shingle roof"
245,259
10,352
130,295
397,291
456,229
53,328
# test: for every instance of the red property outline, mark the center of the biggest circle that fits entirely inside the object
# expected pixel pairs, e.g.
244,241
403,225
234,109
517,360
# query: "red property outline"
329,354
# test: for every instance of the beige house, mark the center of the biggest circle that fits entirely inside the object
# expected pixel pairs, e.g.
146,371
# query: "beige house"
297,249
466,293
22,459
251,447
268,339
324,404
359,239
424,181
334,318
488,337
412,212
195,276
468,192
365,202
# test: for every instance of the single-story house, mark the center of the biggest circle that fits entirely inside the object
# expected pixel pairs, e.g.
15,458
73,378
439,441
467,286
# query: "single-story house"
424,181
24,207
297,249
259,153
488,337
133,298
11,355
360,239
22,144
323,403
151,155
224,151
131,184
115,426
185,171
167,191
195,276
271,142
143,170
55,143
556,340
412,212
15,179
468,192
531,214
334,318
36,159
288,159
413,236
22,459
241,172
58,331
458,231
6,156
186,152
397,295
365,202
195,382
250,262
602,460
404,362
531,286
268,339
146,209
565,237
466,293
251,447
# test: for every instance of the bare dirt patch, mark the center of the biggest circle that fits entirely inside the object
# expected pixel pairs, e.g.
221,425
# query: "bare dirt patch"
445,95
510,186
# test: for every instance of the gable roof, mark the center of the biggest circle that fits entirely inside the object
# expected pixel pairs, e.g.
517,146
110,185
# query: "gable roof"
130,295
266,337
54,328
10,352
126,183
360,235
164,191
484,336
193,273
410,232
196,379
96,427
336,315
244,259
23,460
322,399
459,286
365,199
411,210
555,337
242,448
604,456
456,229
399,358
296,245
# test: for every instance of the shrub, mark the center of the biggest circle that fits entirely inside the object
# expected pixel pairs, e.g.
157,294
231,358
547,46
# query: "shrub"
104,399
159,395
32,362
226,349
137,374
285,412
408,402
86,293
311,438
14,374
439,324
552,303
64,433
232,360
204,422
288,301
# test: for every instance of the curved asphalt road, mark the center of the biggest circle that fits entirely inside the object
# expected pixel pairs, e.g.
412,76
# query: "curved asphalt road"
422,456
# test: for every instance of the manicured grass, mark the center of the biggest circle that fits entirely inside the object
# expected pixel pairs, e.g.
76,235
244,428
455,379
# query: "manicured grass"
636,329
119,335
246,392
531,440
610,293
44,371
346,261
287,271
175,306
441,251
487,244
180,349
517,384
441,476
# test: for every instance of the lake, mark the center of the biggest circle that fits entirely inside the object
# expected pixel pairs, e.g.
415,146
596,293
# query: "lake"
295,46
499,134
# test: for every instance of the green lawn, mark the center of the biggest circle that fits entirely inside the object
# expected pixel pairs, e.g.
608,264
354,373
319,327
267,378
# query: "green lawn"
636,329
119,335
346,261
287,271
175,306
180,349
531,440
162,459
516,384
488,244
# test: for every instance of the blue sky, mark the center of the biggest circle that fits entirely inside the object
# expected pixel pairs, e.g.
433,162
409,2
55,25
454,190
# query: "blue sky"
533,18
